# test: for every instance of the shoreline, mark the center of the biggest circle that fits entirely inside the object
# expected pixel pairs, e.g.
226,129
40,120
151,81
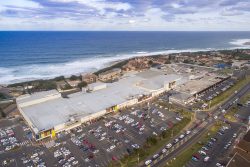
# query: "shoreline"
115,62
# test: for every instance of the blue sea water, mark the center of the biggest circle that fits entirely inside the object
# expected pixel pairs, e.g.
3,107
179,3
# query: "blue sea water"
37,55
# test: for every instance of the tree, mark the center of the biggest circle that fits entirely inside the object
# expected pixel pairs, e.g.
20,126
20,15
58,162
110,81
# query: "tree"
150,62
2,96
82,84
60,78
187,61
152,140
167,62
67,87
73,77
2,113
45,85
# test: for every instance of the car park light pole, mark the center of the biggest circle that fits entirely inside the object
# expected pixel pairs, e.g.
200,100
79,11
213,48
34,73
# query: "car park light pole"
138,158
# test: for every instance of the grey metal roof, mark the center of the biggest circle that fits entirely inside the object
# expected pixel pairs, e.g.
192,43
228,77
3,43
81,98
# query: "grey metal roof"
50,113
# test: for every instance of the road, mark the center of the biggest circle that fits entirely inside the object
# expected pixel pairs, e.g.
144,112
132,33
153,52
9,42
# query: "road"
217,111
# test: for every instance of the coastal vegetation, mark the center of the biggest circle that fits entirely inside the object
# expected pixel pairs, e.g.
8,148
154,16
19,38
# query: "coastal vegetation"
66,87
116,65
59,78
82,84
74,77
2,96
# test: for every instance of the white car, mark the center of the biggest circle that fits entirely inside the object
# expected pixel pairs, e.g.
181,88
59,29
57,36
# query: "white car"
126,141
219,165
188,132
168,145
156,156
206,159
154,133
202,153
75,162
178,119
176,140
182,136
102,138
163,150
163,129
148,162
235,135
135,146
96,151
112,147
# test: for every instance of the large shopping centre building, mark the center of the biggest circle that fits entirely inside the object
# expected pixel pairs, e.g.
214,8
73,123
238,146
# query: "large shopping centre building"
48,113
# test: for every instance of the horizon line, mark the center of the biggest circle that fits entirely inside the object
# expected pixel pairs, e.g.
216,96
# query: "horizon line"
124,30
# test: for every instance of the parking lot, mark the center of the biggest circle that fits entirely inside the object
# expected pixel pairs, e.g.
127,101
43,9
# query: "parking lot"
117,135
215,91
95,145
215,151
211,93
16,148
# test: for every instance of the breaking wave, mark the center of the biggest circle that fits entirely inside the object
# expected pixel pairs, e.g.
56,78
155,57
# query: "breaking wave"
240,43
47,71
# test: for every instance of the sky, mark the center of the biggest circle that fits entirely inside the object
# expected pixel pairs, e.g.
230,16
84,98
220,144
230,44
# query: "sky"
125,15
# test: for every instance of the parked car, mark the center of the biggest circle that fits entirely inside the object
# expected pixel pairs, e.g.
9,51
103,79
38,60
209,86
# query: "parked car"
206,159
148,162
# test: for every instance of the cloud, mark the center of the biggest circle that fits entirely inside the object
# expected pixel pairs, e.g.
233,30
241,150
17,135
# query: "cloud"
124,14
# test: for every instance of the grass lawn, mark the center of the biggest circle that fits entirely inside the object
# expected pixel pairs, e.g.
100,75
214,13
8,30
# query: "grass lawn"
150,149
186,156
230,115
245,98
230,91
225,71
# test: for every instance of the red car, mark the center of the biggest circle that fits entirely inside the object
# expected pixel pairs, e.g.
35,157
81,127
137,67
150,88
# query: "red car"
196,156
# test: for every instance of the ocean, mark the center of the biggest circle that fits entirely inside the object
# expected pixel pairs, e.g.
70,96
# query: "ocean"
27,55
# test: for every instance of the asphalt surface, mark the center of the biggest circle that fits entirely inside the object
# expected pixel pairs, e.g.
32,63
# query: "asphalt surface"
89,135
225,106
123,141
218,152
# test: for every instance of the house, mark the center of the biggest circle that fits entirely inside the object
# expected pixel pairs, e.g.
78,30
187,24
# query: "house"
89,78
110,74
136,64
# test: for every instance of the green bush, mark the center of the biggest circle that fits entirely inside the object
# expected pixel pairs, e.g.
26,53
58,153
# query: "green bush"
66,87
60,78
82,84
74,77
2,96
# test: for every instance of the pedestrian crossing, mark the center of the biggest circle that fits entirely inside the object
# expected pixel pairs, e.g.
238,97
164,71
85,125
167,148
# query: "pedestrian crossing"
49,144
24,143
